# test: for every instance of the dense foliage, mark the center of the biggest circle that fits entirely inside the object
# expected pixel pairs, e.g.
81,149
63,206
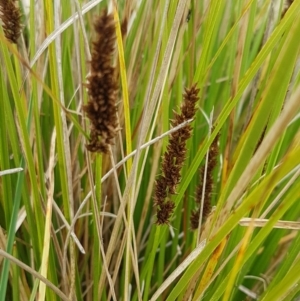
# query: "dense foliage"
149,150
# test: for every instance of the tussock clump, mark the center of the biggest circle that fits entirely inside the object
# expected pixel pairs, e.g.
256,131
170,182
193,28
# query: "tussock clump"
209,185
11,19
102,87
174,158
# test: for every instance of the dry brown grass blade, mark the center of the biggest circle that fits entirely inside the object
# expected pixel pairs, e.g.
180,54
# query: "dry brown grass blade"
261,222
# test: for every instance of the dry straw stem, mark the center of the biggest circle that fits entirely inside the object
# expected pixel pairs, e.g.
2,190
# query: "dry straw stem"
47,233
261,222
10,171
174,158
102,87
179,270
11,19
209,185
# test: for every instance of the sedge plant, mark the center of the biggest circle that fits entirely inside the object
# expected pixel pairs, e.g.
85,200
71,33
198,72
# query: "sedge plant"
149,150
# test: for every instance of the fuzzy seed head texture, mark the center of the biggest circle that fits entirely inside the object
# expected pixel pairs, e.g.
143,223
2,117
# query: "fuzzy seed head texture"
102,87
174,158
11,19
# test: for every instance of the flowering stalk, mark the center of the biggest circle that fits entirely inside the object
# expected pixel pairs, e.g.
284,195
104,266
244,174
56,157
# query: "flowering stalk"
174,158
11,19
102,87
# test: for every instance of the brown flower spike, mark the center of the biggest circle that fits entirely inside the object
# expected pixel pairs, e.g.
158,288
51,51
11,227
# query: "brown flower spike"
102,87
212,163
174,158
11,19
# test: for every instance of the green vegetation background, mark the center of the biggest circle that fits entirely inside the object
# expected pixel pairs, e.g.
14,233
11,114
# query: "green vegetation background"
244,57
